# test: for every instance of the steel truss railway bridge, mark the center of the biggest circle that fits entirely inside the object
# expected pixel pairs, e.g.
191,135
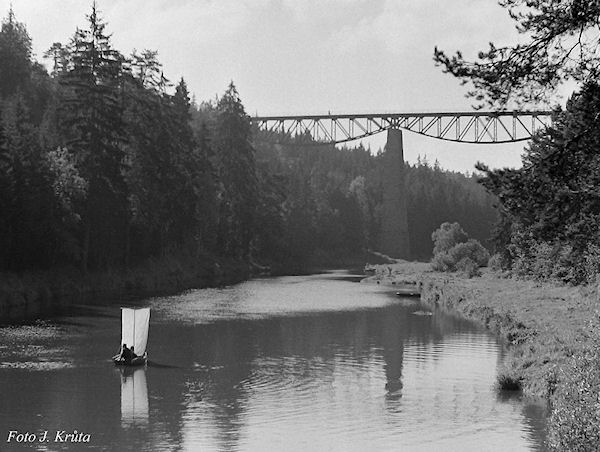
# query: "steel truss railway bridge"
465,127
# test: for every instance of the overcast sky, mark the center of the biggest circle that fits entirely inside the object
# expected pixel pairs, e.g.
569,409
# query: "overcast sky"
304,56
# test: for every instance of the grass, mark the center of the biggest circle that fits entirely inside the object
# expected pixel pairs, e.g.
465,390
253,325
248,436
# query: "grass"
508,381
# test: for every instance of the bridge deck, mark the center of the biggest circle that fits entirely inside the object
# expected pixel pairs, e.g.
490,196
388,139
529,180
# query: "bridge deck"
466,127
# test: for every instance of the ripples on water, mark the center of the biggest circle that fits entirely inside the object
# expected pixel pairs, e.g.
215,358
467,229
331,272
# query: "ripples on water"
295,363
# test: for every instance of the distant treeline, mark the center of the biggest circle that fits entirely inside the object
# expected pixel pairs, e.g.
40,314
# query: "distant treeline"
104,163
331,200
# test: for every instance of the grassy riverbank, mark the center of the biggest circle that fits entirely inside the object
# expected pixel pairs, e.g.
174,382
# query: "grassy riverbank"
39,294
544,324
550,329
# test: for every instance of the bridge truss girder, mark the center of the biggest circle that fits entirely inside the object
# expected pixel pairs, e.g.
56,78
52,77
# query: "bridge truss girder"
465,127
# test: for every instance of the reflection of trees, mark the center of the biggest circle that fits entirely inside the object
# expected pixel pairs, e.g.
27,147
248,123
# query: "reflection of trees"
229,358
535,416
535,412
236,353
219,368
229,352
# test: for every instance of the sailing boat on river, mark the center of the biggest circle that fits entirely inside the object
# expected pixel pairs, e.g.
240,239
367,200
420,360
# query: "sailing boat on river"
134,333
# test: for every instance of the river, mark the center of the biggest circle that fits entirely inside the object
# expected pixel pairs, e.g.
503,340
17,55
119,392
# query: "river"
303,363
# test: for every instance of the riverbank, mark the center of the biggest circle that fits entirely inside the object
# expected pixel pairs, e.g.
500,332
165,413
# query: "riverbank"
41,294
544,324
321,261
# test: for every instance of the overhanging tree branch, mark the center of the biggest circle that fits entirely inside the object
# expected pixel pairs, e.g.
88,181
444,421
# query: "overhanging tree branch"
531,72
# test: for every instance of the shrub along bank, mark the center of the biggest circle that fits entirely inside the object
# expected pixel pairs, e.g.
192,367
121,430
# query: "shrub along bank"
551,333
39,294
31,295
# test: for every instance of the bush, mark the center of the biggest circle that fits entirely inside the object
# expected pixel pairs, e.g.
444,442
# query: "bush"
442,262
498,262
447,236
471,249
509,381
591,263
575,419
553,261
468,267
454,251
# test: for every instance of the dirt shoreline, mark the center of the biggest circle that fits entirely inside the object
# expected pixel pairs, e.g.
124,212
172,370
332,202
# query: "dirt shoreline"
544,324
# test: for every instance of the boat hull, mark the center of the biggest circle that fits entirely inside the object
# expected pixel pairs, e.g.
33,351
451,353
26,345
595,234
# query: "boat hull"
135,362
408,293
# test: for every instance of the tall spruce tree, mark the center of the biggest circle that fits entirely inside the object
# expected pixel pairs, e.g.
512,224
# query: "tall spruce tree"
196,195
237,171
148,154
15,55
93,129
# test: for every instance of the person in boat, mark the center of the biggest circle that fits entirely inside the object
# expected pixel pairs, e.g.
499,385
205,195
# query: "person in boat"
133,355
126,354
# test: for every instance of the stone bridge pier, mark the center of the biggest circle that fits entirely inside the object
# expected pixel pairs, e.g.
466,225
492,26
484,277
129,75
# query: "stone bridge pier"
394,239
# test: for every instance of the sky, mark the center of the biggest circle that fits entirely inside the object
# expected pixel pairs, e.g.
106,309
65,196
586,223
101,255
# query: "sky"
304,56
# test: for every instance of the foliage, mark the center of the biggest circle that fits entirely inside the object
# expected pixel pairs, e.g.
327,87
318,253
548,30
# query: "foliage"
509,382
436,196
591,263
237,174
560,44
470,249
498,262
550,208
543,260
15,54
104,163
465,257
92,128
447,236
332,199
454,251
575,419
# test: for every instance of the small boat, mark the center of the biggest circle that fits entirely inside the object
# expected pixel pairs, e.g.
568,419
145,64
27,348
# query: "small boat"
408,289
134,332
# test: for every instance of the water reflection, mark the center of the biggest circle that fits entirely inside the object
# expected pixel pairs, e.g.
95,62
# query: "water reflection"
394,327
307,363
134,397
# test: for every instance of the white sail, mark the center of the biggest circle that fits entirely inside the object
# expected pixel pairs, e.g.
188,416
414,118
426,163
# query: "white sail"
134,328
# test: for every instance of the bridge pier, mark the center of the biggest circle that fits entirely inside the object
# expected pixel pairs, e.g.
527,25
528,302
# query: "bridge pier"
394,240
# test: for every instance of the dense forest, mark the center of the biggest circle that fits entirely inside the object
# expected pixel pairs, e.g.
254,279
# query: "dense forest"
332,199
105,163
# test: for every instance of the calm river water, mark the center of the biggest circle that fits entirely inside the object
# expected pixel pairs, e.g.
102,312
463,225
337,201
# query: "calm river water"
311,363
